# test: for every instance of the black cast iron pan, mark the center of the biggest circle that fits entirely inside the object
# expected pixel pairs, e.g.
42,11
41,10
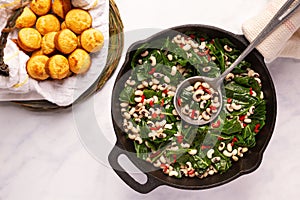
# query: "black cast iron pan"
155,177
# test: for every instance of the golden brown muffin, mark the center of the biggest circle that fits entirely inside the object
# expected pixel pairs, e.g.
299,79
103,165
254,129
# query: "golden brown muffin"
92,40
66,41
40,7
48,44
47,23
26,19
79,61
35,67
78,20
58,67
63,25
37,53
61,7
29,39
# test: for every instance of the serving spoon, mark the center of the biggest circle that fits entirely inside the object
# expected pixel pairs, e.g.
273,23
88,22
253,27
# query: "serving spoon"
215,83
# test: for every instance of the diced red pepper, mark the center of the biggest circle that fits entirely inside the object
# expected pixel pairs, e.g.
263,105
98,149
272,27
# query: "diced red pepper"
220,138
143,98
207,90
192,36
205,147
162,102
162,116
213,107
256,129
251,91
154,115
229,100
216,124
165,91
244,125
179,139
179,101
242,117
152,71
191,172
151,103
202,39
155,128
203,53
212,41
233,141
193,114
174,158
208,57
164,167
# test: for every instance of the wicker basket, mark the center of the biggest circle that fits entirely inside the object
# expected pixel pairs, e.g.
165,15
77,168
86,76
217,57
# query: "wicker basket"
116,43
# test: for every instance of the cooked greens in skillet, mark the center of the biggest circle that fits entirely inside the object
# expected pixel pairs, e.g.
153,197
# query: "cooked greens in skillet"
150,119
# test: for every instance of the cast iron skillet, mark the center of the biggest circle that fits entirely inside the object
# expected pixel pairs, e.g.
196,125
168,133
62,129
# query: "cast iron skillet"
155,176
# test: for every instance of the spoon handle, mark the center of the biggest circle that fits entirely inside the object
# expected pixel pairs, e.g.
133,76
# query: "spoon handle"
284,12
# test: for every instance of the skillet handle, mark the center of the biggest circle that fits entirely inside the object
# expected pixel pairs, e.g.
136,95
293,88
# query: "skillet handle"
151,183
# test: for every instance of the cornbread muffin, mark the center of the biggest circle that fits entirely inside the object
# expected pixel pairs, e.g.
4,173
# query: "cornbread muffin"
65,41
26,19
37,53
58,67
35,67
47,23
61,7
92,40
78,20
40,7
79,61
63,25
48,45
29,39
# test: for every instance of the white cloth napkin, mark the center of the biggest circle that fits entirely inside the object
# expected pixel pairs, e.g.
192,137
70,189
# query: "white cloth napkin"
284,41
18,86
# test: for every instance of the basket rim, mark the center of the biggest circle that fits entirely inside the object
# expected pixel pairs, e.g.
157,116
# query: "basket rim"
115,48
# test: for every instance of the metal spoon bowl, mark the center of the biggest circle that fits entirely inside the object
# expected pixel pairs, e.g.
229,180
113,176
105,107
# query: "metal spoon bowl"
284,12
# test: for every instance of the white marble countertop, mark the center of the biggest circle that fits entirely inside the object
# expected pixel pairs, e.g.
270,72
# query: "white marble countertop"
42,154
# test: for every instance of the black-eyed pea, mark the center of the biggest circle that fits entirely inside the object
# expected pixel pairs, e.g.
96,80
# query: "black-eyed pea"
132,136
247,120
157,163
216,159
152,60
126,115
145,53
227,48
173,173
206,69
197,85
229,77
234,152
244,149
205,97
210,153
236,106
226,153
202,104
173,70
192,151
229,147
235,158
124,104
167,79
221,146
205,115
170,57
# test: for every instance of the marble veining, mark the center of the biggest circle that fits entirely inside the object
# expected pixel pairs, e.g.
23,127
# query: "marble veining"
44,156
